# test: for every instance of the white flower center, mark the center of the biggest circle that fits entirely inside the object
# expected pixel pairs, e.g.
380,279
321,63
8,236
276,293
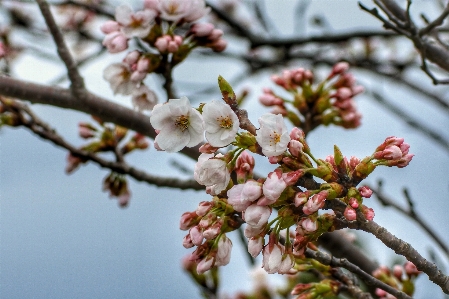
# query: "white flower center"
182,122
224,122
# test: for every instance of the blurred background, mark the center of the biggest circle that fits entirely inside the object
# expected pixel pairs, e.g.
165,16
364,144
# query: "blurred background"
62,237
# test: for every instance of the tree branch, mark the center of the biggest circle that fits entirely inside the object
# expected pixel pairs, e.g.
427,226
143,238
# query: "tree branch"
326,259
77,81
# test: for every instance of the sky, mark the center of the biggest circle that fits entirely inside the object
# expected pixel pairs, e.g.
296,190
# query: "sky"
62,237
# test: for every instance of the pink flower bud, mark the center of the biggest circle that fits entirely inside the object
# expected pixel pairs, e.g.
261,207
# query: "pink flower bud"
309,225
365,191
297,134
397,272
290,178
212,231
255,246
109,26
269,99
410,269
215,34
340,68
353,203
315,203
203,208
295,148
162,43
256,216
187,241
201,29
350,214
205,265
301,198
368,213
219,45
196,235
115,42
207,149
274,185
188,219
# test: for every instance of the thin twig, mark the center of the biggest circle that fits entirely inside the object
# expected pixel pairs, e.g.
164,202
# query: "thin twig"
77,82
412,214
40,128
329,260
435,23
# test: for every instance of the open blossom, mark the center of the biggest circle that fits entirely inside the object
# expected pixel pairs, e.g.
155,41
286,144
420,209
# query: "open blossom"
177,10
178,123
134,23
143,98
212,172
118,75
221,123
272,136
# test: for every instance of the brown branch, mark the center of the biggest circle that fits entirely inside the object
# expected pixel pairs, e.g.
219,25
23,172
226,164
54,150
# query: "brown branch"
329,260
435,23
77,82
40,128
92,104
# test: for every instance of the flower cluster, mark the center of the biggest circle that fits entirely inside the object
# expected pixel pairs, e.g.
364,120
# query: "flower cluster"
290,188
400,278
330,101
162,29
179,125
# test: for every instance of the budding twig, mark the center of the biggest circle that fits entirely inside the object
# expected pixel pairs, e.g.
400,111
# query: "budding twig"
40,128
77,81
329,260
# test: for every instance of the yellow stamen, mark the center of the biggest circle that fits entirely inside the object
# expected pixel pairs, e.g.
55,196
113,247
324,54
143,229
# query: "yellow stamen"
225,122
182,122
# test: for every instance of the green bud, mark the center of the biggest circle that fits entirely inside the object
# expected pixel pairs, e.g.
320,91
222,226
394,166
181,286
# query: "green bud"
226,89
338,156
294,118
335,189
246,140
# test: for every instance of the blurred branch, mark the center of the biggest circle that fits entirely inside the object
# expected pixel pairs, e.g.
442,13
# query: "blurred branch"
424,39
411,213
92,104
329,260
40,128
77,86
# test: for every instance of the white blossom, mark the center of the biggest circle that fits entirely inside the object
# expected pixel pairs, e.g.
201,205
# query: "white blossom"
144,98
118,75
134,23
221,123
272,136
178,123
211,171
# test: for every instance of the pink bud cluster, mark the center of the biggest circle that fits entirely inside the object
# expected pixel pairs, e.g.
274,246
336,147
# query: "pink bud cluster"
344,89
205,231
400,278
331,101
393,152
206,35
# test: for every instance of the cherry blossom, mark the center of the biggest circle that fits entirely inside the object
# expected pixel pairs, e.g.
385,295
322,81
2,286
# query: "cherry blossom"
273,186
118,75
256,216
143,98
134,24
178,123
242,196
223,255
272,135
220,122
211,171
181,10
